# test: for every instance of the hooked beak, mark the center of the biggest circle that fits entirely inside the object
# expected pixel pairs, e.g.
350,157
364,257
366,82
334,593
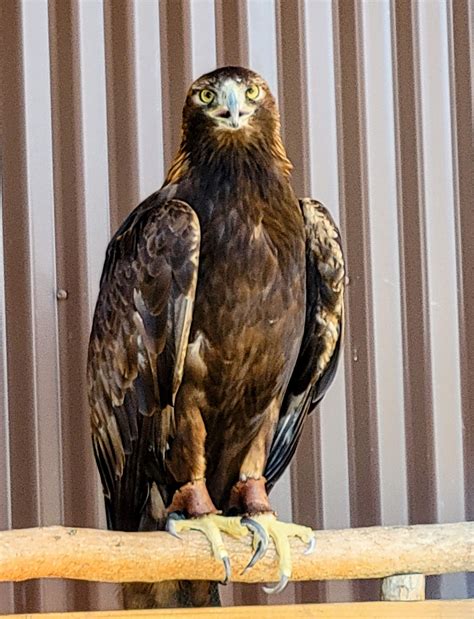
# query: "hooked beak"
233,111
234,108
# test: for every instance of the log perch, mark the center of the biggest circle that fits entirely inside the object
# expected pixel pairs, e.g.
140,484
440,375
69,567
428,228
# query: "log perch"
109,556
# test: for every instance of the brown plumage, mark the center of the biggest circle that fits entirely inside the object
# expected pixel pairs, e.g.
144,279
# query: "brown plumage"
217,328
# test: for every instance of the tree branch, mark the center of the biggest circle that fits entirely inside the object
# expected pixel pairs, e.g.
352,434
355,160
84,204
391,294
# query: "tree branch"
90,554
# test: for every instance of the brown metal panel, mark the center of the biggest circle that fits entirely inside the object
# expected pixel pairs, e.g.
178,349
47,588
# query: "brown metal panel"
148,96
438,190
94,140
203,36
6,589
17,274
332,446
365,508
415,312
461,36
88,25
176,70
231,33
73,311
78,190
360,371
418,402
461,43
292,87
307,497
385,265
19,329
121,109
262,41
44,346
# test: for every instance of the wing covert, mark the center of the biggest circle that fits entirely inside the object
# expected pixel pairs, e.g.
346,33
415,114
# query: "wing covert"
320,348
137,347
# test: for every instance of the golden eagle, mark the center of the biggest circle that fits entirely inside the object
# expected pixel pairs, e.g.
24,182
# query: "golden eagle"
217,331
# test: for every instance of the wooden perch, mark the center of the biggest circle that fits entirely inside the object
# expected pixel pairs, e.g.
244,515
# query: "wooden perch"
89,554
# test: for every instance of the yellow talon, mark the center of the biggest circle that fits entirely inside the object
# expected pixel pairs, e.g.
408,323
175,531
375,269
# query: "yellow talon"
211,525
279,532
262,527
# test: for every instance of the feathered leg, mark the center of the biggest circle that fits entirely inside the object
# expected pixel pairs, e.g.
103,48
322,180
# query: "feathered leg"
249,497
191,507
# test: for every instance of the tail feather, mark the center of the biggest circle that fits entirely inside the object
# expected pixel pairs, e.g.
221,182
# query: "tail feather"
170,594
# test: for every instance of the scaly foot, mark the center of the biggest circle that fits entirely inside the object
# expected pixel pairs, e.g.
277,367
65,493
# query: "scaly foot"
264,526
211,525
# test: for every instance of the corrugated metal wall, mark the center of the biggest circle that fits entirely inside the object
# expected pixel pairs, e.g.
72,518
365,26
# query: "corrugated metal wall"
376,102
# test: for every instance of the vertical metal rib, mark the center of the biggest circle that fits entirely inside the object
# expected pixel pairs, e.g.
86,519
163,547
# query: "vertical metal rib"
148,94
23,144
360,378
121,109
231,32
203,37
95,167
324,176
385,261
17,282
175,70
262,41
6,589
441,267
461,46
365,505
461,49
293,94
414,285
71,257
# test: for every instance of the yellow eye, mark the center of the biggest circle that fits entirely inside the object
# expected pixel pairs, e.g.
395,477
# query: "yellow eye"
252,92
206,96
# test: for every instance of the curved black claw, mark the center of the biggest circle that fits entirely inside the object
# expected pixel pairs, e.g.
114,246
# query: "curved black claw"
170,526
278,588
311,546
227,569
262,540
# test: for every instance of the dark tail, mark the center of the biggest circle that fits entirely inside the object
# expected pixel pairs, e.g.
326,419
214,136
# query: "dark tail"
171,594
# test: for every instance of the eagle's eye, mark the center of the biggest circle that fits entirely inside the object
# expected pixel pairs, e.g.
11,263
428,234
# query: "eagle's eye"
252,92
206,96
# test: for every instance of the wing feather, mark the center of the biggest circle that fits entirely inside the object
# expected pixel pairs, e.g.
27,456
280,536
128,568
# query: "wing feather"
319,353
137,348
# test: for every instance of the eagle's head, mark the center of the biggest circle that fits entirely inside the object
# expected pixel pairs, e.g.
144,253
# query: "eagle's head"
231,99
229,115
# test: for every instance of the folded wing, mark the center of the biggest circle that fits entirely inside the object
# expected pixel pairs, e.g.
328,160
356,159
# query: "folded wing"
137,349
317,361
